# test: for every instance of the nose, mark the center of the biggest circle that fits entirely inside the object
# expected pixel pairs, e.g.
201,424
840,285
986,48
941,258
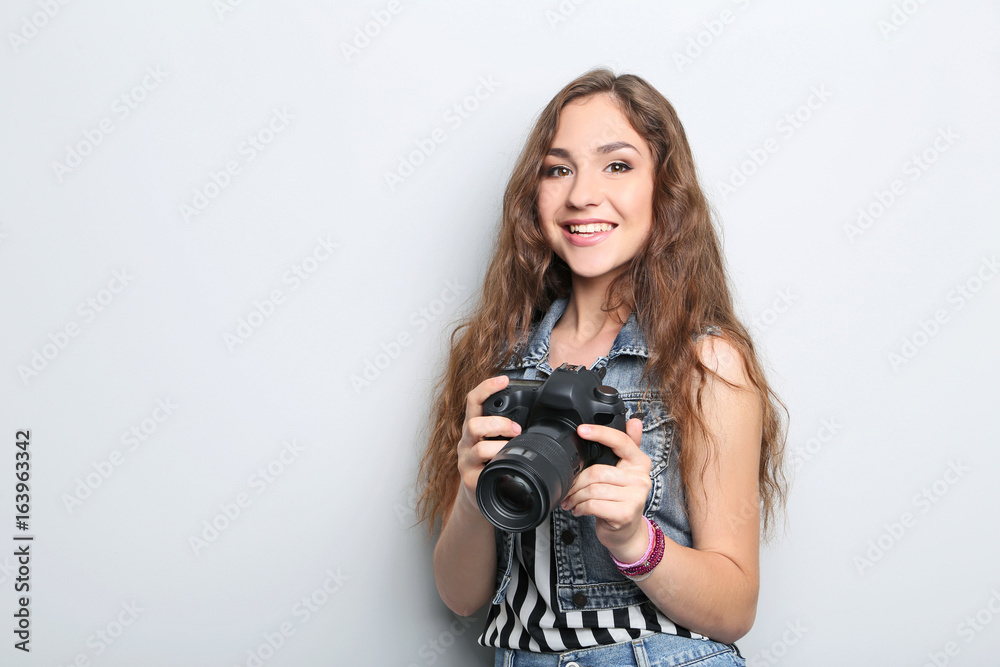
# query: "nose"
584,191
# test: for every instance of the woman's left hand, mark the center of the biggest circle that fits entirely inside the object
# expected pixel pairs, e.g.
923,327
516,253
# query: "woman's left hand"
615,495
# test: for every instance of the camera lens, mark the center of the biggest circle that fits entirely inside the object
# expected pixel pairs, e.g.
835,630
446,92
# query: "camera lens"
527,478
514,494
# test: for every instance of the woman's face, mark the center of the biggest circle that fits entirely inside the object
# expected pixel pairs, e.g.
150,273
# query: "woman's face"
595,198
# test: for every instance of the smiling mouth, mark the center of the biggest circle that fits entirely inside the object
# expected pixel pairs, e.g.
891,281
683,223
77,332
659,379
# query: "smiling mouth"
590,228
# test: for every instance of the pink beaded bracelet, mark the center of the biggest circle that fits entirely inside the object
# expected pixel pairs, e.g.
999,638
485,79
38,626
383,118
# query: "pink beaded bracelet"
642,568
649,549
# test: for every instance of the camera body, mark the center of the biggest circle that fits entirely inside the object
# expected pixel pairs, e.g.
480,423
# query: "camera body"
525,481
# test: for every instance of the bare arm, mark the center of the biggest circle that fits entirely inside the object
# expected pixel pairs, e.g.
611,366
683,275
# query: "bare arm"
711,587
465,555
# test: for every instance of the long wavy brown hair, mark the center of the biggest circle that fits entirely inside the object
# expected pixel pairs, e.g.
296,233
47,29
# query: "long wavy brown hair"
676,285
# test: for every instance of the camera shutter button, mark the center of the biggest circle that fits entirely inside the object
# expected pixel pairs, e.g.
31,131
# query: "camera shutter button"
606,394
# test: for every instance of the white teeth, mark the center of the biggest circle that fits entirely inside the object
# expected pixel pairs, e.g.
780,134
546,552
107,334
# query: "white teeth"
591,228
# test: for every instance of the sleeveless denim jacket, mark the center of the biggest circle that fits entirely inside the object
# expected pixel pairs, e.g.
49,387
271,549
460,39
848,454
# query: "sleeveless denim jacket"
587,579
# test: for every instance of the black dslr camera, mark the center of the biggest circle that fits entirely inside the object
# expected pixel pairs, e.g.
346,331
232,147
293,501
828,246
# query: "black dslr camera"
532,473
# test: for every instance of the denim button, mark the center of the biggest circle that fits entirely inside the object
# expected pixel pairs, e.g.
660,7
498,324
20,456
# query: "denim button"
574,663
568,536
579,600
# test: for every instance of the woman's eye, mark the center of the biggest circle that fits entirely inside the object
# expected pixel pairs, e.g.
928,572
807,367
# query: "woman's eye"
558,171
618,167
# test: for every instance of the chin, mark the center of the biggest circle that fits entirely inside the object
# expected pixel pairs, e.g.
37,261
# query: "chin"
595,273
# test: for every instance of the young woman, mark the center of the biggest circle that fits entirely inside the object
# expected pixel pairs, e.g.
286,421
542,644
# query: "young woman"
607,257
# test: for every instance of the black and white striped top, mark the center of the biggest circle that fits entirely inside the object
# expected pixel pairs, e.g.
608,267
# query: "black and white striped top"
526,618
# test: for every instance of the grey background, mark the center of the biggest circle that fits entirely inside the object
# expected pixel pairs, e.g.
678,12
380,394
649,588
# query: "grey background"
867,564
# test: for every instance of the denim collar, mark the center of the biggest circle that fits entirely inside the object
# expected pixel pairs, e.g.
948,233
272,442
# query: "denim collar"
630,341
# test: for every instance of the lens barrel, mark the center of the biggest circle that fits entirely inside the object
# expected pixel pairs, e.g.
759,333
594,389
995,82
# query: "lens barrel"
528,477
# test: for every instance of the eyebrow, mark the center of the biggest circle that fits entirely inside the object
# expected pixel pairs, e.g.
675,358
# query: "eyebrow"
616,146
601,150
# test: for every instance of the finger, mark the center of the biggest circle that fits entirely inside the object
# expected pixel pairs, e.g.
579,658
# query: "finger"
633,428
595,491
485,389
473,460
598,474
614,512
606,504
625,445
493,426
483,451
608,483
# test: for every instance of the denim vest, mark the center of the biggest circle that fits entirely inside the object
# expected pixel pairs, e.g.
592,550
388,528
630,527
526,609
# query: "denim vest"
586,577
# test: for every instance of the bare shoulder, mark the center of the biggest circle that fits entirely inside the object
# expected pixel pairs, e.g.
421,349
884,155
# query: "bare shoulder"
722,357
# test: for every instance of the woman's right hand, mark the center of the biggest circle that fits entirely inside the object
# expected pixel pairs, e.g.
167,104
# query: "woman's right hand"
473,451
465,560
